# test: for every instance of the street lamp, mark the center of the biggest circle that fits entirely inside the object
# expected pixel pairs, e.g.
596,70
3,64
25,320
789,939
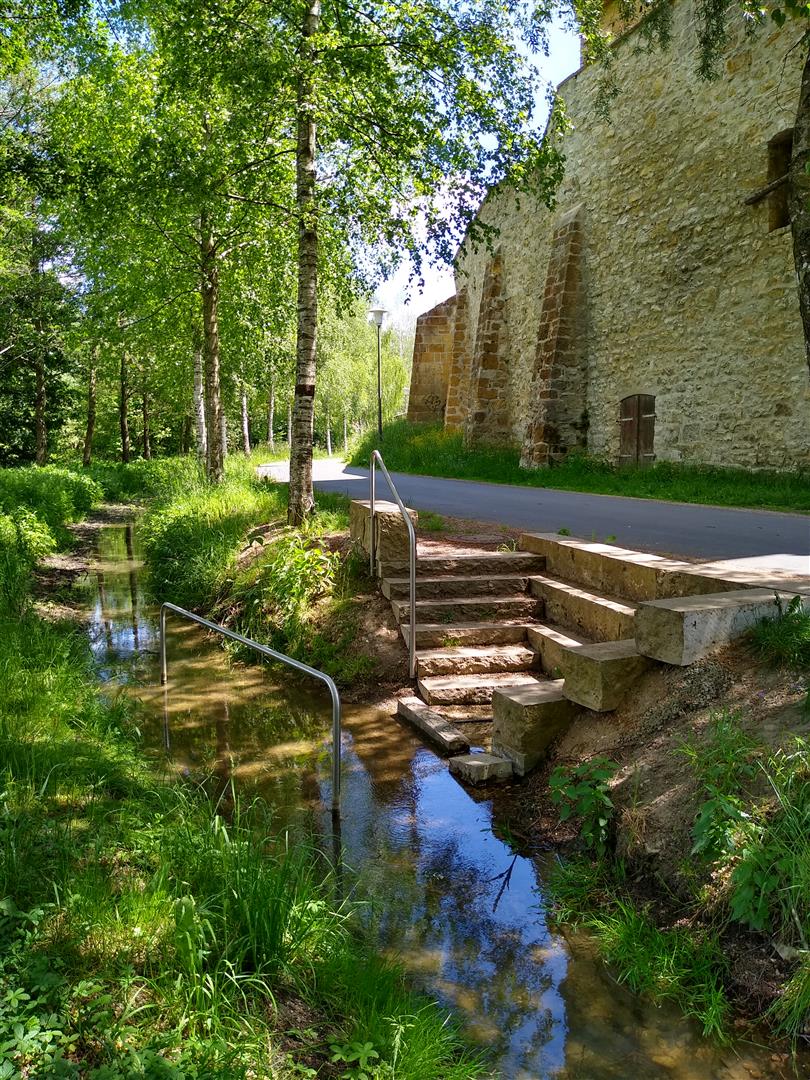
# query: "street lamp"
377,314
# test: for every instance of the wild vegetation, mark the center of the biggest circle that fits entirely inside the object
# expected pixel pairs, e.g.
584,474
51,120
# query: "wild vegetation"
143,930
746,869
431,450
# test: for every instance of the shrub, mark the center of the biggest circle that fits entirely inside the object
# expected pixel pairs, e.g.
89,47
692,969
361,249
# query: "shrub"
23,540
582,792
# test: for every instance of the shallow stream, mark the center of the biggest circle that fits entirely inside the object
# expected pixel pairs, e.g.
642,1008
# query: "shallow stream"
429,860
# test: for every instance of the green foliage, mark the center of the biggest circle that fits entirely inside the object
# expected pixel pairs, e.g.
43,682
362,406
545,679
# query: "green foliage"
57,496
154,479
23,540
683,964
760,844
432,450
790,1013
784,639
582,792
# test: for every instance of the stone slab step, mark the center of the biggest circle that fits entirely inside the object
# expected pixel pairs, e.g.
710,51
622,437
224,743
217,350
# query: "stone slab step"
551,643
597,674
522,563
478,768
475,659
600,617
684,629
448,585
468,609
438,730
600,675
469,689
637,575
444,635
526,720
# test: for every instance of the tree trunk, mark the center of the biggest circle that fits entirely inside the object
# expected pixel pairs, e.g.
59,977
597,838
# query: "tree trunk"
199,399
40,396
147,442
91,410
123,407
39,411
214,416
271,417
799,202
245,422
301,498
185,434
328,434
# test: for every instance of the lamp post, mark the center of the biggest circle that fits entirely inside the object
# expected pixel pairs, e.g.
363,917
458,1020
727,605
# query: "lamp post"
377,314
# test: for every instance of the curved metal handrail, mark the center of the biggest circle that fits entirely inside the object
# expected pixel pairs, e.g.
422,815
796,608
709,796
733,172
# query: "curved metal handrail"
376,459
265,650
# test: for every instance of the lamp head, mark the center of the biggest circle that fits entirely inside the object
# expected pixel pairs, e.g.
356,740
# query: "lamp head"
377,314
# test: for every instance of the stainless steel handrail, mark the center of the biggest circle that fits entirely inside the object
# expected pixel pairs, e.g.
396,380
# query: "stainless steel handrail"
265,650
376,459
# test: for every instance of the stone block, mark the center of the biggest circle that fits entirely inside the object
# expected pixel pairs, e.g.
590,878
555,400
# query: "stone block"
444,735
478,768
392,546
526,719
598,676
683,629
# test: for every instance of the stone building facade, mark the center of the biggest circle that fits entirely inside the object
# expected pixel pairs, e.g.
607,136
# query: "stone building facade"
652,314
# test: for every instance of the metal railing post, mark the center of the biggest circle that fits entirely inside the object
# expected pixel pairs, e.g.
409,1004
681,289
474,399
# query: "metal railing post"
376,459
265,650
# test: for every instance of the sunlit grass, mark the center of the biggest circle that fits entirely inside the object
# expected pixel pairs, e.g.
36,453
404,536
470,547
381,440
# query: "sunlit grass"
432,450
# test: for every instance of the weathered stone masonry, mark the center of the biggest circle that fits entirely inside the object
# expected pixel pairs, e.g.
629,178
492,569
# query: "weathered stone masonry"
650,277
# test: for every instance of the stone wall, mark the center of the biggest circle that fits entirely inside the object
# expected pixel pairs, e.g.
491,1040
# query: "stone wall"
432,357
650,276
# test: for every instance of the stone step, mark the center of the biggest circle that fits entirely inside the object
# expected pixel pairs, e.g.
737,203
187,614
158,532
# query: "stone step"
598,616
522,563
469,609
684,629
445,635
398,588
469,689
551,643
472,660
432,724
527,718
597,674
478,768
618,571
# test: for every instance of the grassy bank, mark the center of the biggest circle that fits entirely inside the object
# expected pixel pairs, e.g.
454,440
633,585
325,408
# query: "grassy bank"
431,450
226,552
144,934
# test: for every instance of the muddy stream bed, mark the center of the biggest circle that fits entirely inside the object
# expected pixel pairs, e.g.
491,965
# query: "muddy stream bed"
425,857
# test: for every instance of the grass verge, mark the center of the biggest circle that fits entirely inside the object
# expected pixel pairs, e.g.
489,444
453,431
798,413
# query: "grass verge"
431,450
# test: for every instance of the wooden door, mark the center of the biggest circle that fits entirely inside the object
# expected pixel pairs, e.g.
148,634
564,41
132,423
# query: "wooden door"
637,430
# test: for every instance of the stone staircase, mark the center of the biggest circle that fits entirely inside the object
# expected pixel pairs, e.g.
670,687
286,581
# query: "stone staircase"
559,626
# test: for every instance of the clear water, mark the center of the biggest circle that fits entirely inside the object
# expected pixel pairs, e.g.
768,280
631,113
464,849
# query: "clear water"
428,859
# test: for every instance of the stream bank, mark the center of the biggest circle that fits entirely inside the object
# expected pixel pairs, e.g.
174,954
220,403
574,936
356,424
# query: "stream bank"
439,877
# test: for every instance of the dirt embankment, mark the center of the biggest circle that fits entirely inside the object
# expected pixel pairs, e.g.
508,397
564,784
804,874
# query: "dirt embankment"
657,795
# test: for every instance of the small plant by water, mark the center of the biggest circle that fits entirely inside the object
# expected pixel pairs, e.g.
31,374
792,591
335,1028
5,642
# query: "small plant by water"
582,792
784,639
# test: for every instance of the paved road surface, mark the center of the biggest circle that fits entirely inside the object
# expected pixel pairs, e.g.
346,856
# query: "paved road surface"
647,524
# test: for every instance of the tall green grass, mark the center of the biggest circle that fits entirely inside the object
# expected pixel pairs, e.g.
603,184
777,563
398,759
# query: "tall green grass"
432,450
55,495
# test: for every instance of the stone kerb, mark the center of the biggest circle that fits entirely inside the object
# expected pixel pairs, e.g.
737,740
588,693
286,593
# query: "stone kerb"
392,548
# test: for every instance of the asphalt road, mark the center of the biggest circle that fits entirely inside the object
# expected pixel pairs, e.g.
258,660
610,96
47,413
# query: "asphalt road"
646,524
